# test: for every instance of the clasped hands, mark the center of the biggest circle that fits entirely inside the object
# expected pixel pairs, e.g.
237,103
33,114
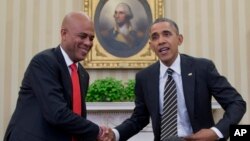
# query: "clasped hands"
202,135
106,135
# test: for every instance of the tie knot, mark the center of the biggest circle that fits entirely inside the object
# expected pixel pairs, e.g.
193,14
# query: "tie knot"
73,67
170,71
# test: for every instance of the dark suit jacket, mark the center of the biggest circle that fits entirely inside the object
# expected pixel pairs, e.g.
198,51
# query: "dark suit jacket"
198,88
44,106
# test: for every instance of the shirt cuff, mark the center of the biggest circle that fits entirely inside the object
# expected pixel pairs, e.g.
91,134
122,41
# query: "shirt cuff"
100,132
117,135
218,133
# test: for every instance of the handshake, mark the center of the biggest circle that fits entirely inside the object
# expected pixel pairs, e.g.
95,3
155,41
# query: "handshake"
106,134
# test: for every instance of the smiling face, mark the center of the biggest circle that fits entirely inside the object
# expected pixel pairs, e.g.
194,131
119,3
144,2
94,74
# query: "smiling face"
164,40
77,35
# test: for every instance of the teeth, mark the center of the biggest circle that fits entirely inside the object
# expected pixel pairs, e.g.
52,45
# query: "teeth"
164,49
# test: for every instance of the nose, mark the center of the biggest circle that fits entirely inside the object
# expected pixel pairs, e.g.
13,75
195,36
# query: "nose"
161,40
88,42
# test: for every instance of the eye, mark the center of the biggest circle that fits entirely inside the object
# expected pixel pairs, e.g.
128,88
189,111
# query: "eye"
166,33
91,38
83,35
154,37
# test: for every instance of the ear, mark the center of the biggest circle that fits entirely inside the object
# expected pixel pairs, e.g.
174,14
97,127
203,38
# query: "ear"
63,33
180,39
150,45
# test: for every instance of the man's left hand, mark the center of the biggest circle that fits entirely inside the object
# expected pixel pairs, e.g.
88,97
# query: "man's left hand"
203,135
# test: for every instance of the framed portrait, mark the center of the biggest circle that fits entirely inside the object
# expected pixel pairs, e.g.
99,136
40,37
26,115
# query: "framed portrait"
121,28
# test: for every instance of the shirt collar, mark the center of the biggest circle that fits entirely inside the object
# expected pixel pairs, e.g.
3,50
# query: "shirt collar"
176,66
66,57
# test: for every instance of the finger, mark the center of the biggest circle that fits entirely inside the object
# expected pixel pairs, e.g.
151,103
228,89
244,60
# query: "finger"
189,138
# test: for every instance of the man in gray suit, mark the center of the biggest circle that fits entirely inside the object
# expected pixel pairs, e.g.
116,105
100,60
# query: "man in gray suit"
197,81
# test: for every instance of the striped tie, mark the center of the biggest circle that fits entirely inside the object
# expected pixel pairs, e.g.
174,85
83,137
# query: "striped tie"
169,114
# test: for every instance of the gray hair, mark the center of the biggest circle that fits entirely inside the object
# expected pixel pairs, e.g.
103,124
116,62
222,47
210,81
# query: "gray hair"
127,10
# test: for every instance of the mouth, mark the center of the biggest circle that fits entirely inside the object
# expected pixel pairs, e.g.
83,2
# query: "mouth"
84,50
164,49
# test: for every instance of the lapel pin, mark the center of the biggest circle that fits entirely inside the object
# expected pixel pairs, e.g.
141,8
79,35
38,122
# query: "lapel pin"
190,74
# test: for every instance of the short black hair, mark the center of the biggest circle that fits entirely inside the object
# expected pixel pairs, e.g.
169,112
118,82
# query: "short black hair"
163,19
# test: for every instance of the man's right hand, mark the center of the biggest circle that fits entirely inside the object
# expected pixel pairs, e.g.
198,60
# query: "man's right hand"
107,134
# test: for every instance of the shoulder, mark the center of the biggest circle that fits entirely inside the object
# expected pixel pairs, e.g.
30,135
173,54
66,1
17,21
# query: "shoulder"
49,57
46,54
196,61
150,70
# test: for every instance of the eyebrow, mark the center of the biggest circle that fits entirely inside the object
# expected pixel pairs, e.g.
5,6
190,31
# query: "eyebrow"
153,34
164,31
84,33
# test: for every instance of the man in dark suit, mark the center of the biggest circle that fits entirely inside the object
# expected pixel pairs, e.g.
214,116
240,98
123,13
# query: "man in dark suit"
197,81
44,106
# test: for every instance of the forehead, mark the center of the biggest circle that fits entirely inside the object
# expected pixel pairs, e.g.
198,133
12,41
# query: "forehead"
119,8
162,26
83,26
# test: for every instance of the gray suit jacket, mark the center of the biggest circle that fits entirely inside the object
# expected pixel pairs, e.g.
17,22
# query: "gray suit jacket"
198,88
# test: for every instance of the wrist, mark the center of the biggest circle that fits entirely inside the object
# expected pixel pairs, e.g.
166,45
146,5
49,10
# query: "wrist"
100,132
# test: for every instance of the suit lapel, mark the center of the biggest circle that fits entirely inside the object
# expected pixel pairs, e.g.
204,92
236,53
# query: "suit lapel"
66,79
188,81
153,85
153,89
83,83
83,78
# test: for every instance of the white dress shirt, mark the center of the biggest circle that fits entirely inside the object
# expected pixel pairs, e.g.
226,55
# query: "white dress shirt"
184,127
67,59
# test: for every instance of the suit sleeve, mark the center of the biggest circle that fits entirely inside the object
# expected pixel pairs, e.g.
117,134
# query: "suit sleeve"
230,100
140,116
45,75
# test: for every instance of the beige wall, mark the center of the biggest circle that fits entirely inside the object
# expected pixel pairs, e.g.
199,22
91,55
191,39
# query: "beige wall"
216,29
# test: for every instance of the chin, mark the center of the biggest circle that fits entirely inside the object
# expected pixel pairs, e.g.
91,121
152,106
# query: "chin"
82,58
165,60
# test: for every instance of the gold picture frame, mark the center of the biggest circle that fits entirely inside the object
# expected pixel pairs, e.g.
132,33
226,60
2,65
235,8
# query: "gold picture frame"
103,54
